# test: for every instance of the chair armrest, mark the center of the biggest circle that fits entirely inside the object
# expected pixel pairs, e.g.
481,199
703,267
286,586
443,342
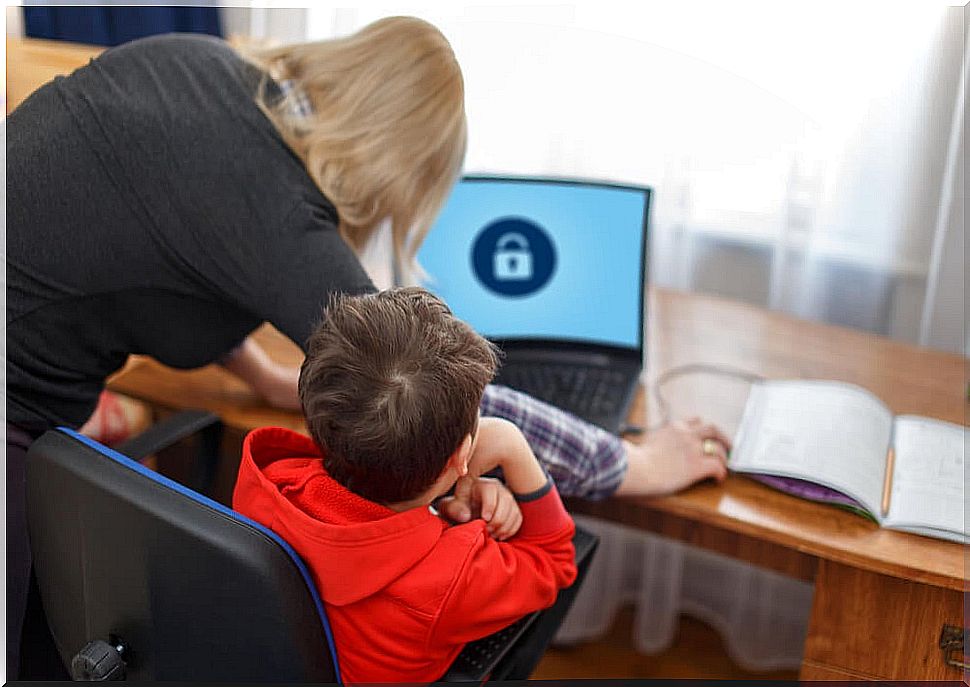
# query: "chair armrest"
479,658
165,433
528,635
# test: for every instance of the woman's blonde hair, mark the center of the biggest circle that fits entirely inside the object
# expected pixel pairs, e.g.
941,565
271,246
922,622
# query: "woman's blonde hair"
385,135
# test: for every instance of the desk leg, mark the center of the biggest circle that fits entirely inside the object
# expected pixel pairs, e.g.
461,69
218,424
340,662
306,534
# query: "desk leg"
866,625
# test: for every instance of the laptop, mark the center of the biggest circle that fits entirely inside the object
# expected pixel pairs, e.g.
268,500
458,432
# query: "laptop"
552,271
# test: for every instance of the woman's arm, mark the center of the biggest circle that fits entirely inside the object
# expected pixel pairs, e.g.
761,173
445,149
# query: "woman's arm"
308,263
583,460
274,382
589,462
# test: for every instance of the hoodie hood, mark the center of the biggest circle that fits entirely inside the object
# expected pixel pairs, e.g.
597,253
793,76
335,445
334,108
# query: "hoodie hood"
354,547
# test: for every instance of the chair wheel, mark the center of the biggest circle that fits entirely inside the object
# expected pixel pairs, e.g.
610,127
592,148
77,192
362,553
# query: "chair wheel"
99,660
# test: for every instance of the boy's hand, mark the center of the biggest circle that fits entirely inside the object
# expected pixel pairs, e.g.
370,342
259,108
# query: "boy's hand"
485,498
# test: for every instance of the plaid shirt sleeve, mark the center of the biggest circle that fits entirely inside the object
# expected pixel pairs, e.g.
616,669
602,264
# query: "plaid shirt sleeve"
583,460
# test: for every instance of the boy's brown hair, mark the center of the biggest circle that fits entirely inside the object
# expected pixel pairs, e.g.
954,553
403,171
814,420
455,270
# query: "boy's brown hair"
390,387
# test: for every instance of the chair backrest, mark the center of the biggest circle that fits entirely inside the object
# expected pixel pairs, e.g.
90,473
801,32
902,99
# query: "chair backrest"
197,591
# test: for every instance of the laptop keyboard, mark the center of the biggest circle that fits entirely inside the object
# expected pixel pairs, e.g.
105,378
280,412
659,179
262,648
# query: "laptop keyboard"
594,393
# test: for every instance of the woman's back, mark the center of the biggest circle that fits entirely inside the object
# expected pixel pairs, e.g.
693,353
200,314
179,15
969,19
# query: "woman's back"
152,208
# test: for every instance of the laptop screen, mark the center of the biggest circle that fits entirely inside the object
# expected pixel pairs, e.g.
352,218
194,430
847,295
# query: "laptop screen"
542,259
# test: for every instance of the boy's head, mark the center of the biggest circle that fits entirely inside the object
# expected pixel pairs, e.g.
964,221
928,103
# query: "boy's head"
391,387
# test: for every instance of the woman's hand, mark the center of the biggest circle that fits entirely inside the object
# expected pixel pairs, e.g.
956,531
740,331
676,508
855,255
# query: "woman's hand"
672,458
279,387
274,382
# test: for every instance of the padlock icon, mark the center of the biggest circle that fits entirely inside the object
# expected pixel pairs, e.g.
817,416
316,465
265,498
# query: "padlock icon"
513,258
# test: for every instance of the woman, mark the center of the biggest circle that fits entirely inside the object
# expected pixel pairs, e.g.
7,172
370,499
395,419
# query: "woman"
172,195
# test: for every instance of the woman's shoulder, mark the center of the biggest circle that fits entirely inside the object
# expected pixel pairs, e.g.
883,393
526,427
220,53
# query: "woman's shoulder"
201,57
192,44
195,78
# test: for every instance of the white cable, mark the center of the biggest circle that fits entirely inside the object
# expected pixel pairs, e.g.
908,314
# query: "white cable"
694,368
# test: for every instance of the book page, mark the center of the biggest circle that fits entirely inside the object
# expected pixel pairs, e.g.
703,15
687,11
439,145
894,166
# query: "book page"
831,433
928,480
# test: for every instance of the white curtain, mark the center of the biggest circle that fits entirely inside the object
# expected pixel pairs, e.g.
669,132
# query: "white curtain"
798,152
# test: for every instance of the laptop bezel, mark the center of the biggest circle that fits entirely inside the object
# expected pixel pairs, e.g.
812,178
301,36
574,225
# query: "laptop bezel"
613,351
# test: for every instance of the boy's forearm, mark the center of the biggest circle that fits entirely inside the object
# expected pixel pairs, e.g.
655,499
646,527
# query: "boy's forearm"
545,517
523,474
501,444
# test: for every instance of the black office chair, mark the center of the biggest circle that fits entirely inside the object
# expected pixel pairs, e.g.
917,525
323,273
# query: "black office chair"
144,579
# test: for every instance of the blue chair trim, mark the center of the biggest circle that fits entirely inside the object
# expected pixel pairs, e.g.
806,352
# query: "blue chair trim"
205,501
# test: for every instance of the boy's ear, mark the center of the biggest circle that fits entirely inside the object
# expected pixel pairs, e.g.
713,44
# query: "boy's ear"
462,456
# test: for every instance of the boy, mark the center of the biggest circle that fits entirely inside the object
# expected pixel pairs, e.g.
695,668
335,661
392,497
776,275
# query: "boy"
391,388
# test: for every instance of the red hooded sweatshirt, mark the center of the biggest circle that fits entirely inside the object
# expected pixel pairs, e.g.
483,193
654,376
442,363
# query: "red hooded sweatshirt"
404,592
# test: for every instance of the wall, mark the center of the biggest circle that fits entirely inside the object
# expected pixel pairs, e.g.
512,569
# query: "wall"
15,21
281,25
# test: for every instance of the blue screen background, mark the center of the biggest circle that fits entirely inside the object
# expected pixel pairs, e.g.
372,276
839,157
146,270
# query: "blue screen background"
592,296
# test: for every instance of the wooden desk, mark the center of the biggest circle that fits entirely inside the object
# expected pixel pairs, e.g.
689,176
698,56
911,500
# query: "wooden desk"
32,62
881,597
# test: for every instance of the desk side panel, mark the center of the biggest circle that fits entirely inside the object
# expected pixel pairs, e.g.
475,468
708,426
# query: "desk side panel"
880,626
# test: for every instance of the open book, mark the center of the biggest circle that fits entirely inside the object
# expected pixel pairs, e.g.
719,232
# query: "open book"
837,443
